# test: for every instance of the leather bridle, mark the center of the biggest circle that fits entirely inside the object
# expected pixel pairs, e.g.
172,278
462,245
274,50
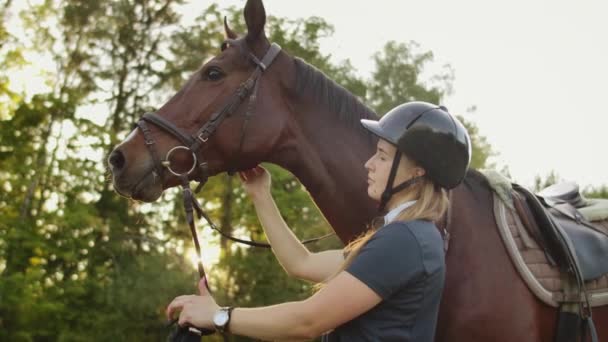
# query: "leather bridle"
196,143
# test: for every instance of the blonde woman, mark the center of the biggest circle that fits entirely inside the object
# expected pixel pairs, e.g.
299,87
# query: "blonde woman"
388,288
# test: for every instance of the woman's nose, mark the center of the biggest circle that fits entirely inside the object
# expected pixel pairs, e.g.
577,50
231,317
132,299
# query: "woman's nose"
368,164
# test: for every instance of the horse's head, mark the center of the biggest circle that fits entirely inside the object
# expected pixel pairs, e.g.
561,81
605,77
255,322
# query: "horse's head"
224,114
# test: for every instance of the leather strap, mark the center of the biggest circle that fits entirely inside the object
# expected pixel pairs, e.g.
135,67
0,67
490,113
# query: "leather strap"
149,141
168,127
389,190
195,143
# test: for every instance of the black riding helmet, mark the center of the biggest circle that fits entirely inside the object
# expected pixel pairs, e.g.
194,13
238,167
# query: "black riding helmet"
428,135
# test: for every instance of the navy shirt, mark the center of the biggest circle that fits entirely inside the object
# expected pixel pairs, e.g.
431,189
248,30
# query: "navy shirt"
404,264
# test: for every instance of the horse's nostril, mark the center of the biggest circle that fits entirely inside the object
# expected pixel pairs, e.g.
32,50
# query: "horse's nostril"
116,160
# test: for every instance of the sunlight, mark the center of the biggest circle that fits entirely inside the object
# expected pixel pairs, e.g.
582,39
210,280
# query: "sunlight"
211,256
210,250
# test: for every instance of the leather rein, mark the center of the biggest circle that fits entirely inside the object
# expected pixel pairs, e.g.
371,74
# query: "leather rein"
196,143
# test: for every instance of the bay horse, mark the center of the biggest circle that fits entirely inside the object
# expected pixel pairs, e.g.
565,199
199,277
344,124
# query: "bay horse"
306,123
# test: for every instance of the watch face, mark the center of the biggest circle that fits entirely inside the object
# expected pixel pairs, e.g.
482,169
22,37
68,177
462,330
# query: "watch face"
220,318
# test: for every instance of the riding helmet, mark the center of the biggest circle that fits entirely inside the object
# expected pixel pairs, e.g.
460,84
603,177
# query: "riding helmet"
429,135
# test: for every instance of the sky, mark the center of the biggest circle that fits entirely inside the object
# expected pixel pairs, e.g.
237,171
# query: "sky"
535,70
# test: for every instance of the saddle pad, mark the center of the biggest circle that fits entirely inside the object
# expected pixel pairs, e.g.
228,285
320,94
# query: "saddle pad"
543,279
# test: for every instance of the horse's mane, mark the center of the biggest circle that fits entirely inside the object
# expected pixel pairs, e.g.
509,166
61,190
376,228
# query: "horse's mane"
327,93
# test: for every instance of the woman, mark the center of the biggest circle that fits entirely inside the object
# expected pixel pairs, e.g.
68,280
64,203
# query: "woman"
389,286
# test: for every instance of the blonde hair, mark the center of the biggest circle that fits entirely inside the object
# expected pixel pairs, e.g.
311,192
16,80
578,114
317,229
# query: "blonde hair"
431,204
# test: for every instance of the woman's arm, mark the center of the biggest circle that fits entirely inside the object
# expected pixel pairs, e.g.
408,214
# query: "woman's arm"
290,252
342,299
295,258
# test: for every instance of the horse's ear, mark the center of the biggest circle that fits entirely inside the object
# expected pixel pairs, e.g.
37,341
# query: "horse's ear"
229,33
255,17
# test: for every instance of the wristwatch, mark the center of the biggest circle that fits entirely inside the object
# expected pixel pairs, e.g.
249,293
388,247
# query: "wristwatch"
222,318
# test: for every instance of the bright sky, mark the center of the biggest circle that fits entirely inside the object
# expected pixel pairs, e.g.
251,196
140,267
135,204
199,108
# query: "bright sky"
536,70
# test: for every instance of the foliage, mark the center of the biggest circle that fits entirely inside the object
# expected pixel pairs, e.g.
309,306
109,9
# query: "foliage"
543,182
481,150
596,192
79,262
398,79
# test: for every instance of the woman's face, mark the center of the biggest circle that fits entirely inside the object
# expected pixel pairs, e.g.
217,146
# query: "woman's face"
379,167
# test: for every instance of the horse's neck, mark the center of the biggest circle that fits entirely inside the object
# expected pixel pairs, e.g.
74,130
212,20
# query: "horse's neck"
328,158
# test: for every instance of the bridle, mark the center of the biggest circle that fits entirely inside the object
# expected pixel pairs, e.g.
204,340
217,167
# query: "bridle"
198,141
196,144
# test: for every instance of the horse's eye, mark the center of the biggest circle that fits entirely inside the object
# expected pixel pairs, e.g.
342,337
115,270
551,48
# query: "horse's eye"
213,74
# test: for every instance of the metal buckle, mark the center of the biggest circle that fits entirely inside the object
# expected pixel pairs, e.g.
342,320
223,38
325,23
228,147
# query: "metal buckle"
200,137
195,331
167,162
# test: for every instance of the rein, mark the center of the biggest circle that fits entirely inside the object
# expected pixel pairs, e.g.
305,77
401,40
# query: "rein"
200,170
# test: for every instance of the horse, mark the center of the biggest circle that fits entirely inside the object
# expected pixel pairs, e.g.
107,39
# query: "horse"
303,121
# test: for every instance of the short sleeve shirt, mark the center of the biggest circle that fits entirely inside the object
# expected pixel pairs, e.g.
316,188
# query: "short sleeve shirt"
404,264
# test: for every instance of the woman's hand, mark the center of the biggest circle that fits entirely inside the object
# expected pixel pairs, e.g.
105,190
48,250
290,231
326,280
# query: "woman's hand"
196,311
256,181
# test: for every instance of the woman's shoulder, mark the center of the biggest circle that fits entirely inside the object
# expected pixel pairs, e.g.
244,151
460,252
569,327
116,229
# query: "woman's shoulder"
416,232
423,236
416,228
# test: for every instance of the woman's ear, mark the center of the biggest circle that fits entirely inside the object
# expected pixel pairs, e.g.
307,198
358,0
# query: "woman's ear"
419,172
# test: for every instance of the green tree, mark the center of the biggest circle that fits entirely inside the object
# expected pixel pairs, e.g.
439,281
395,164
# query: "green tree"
76,260
397,79
596,192
543,182
68,242
481,150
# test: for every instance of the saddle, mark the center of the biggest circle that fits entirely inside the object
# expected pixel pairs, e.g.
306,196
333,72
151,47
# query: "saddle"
558,243
570,241
566,192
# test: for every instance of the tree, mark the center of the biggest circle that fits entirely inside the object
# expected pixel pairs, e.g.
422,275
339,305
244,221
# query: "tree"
596,192
67,239
481,150
397,79
544,182
68,243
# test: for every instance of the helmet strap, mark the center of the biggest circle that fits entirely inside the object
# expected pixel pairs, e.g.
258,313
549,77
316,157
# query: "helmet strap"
389,190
